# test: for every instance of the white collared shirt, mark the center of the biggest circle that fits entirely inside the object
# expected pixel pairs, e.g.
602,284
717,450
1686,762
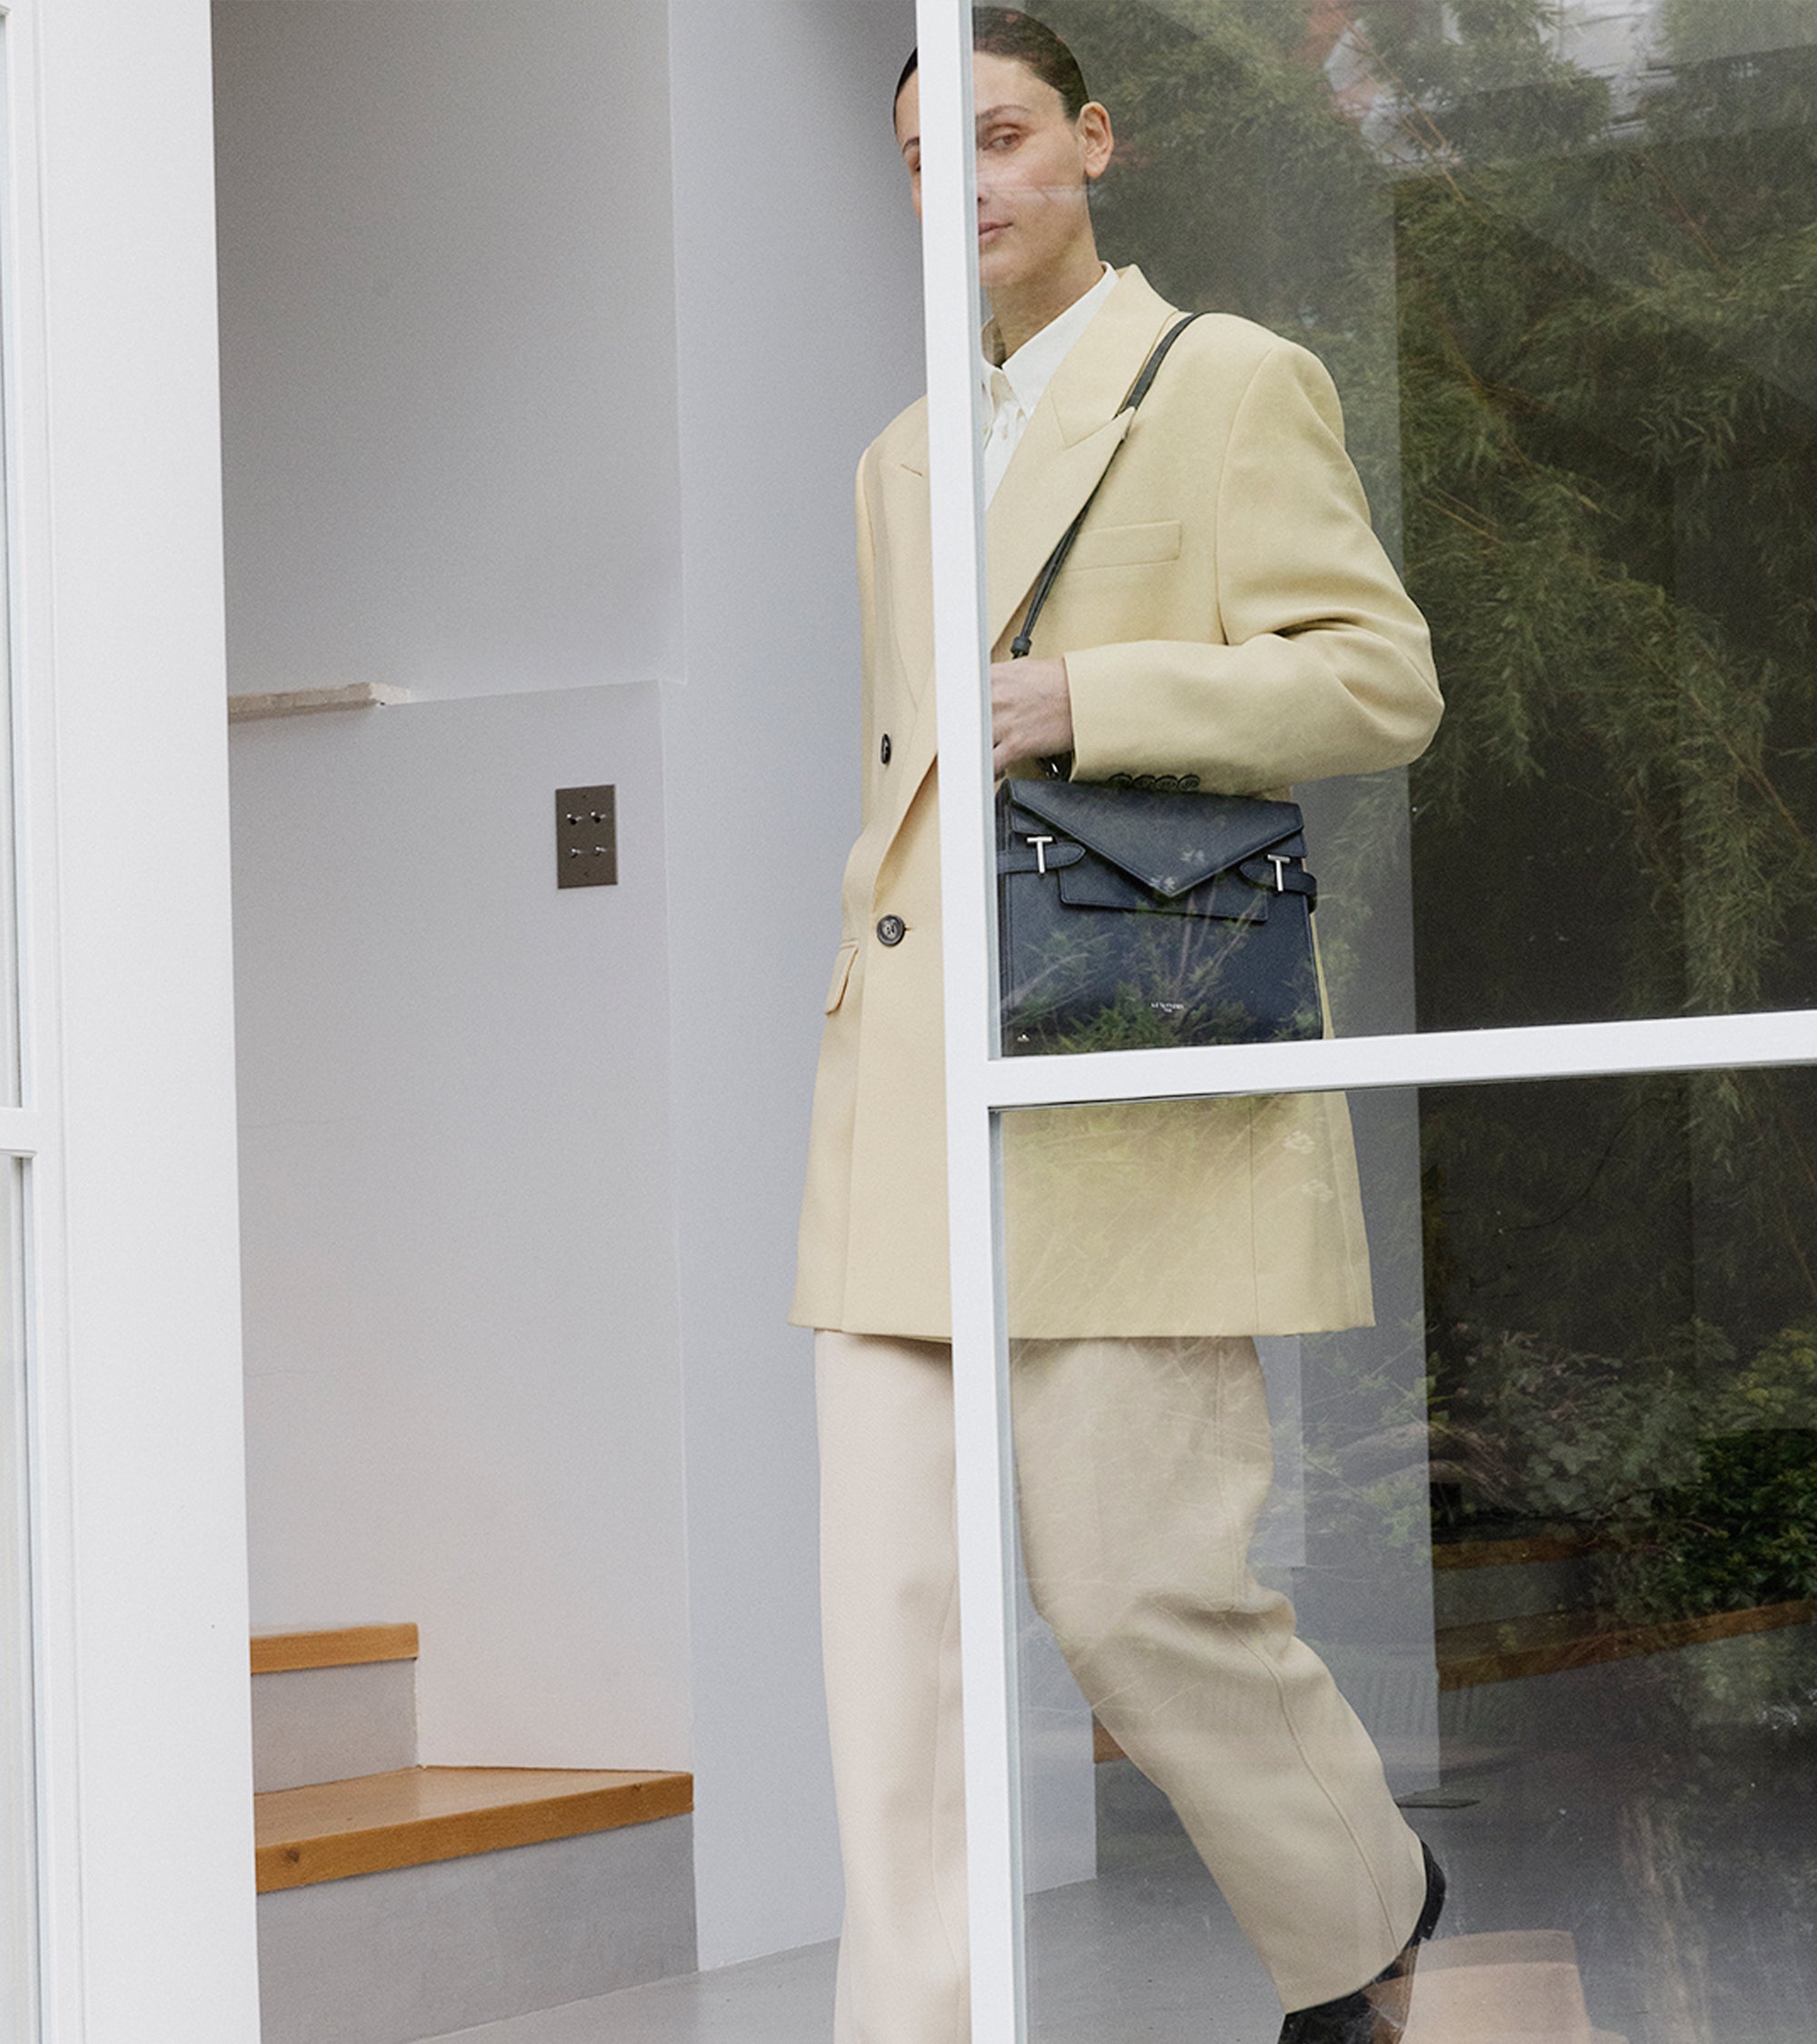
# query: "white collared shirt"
1014,391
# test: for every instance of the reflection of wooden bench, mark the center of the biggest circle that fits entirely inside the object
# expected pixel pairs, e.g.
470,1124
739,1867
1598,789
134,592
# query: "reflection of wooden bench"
1505,1651
1532,1611
400,1901
1518,1987
1509,1609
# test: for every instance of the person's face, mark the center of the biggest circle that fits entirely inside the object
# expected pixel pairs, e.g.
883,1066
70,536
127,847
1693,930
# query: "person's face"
1033,167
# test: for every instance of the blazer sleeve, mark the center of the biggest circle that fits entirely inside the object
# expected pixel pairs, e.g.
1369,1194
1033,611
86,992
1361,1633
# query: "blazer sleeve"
1326,663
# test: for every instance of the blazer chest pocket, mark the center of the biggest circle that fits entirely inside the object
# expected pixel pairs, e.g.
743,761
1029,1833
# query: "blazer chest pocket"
1125,546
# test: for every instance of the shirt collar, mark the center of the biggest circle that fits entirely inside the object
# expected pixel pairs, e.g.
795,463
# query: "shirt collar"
1031,368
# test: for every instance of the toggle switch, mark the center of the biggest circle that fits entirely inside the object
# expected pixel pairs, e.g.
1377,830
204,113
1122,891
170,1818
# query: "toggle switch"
586,838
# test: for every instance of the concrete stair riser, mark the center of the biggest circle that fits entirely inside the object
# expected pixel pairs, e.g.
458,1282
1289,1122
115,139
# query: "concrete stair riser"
328,1724
420,1951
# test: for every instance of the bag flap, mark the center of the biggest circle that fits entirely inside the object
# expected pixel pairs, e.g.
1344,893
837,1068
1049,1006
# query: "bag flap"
1169,842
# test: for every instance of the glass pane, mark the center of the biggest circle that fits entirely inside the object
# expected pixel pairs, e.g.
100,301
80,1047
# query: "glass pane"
1534,1579
1550,261
18,1877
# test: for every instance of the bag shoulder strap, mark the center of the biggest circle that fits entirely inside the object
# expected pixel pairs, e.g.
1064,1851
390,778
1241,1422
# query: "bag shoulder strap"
1138,390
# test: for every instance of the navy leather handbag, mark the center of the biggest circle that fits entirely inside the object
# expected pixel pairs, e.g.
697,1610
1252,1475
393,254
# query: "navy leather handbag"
1137,913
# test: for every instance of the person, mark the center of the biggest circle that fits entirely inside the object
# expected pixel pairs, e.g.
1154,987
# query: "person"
1228,613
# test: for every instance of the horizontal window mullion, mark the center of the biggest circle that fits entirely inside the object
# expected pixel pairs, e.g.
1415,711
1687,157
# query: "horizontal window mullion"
1459,1057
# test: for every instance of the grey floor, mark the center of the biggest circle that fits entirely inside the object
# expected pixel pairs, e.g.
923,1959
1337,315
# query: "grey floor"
1663,1812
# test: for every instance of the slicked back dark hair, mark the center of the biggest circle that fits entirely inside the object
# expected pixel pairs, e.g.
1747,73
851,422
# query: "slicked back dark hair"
1006,31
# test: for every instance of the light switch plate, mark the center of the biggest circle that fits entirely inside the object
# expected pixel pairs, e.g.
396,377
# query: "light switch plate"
586,838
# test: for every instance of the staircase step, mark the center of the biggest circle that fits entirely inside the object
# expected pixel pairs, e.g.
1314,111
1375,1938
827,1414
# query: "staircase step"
331,1701
1509,1650
278,1649
409,1817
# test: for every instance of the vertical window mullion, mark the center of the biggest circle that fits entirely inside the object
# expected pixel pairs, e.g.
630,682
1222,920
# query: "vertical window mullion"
980,1381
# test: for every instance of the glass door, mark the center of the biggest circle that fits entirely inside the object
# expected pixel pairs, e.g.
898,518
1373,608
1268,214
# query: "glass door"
1498,1264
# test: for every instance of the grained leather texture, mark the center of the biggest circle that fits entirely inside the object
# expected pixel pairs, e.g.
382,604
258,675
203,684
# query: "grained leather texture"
1096,883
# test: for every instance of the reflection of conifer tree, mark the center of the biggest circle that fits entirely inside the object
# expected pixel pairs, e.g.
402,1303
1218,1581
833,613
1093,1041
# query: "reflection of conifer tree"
1576,328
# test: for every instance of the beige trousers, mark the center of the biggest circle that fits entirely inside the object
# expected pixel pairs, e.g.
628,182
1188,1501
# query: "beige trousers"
1141,1467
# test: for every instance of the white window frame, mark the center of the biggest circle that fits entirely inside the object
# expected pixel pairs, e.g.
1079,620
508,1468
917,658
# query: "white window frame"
981,1084
145,1903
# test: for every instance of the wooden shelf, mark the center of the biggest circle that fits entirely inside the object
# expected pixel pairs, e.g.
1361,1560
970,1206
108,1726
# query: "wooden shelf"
1507,1649
277,1652
245,707
419,1814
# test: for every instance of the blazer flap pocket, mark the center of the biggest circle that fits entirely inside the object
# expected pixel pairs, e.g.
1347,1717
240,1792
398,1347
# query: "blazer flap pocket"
842,965
1125,546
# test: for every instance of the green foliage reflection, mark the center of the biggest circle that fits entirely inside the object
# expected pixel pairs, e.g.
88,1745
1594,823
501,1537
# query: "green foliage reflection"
1574,319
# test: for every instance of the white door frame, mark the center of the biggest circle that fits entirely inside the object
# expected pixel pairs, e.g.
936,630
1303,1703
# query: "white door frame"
137,1505
980,1083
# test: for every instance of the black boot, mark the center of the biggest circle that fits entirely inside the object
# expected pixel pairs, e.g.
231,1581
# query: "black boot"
1377,2012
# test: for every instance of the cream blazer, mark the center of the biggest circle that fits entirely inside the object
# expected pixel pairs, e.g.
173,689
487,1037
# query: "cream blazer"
1228,612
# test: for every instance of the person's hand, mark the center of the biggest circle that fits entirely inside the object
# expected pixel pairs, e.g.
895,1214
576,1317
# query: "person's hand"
1032,711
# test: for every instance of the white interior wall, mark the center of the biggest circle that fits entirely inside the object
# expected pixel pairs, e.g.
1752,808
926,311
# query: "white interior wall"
463,1398
451,394
448,343
800,331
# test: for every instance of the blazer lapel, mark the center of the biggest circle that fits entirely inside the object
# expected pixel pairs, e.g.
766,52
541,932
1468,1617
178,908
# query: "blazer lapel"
1042,493
1063,454
1067,443
910,566
911,607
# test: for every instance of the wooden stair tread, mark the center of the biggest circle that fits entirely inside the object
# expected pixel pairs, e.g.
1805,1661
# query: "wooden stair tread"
1508,1649
278,1649
414,1815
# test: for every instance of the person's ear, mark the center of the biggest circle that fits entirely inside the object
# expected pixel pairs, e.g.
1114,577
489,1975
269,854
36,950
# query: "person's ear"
1093,128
